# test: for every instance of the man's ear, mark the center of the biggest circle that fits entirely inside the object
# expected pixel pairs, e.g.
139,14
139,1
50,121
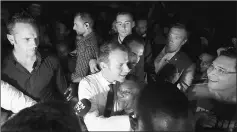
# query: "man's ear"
184,41
87,25
103,65
133,24
10,38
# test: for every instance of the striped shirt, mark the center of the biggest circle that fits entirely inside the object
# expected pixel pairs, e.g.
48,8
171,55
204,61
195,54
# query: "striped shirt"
87,49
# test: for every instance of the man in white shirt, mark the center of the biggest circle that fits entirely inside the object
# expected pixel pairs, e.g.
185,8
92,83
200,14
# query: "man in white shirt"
113,59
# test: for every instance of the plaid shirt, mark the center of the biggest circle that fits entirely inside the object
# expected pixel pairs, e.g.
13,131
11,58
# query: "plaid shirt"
87,49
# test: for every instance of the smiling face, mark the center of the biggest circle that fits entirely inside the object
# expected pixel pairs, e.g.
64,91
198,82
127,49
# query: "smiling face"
217,80
24,38
127,93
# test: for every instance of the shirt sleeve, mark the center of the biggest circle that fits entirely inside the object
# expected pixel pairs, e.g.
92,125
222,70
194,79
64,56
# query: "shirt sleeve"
13,99
93,120
60,79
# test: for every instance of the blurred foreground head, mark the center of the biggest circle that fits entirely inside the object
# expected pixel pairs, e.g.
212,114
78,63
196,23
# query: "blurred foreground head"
163,107
44,117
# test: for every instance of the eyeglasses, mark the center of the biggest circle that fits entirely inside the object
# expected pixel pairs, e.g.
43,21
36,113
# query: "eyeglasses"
219,70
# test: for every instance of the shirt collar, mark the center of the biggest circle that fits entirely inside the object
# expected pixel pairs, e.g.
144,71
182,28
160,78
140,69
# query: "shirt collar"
36,63
104,81
86,37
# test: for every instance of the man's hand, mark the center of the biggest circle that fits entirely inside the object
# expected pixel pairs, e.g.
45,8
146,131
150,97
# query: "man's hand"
93,66
77,80
73,53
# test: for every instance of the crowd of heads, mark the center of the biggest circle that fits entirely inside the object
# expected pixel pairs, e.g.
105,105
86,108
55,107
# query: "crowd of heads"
158,107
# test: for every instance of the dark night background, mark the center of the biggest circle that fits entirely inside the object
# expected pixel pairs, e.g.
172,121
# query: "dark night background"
196,14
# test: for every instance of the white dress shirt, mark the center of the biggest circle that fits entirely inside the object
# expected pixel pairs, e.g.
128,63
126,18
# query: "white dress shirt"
95,88
13,99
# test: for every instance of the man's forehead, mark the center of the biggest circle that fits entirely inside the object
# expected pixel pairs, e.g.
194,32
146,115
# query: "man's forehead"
77,19
124,18
142,22
177,31
118,56
206,57
24,28
129,85
225,62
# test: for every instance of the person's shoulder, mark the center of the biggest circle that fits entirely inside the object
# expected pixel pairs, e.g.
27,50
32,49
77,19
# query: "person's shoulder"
91,79
51,57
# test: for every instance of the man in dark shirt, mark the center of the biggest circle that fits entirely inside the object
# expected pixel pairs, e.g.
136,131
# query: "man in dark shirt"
36,74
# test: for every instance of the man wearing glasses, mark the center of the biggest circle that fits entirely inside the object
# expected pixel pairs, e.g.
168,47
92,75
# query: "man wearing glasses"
218,97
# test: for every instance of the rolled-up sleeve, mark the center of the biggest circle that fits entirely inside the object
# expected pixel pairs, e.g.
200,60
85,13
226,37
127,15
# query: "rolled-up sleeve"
93,120
13,99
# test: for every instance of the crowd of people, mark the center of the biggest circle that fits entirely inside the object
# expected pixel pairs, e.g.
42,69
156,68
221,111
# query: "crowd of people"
137,75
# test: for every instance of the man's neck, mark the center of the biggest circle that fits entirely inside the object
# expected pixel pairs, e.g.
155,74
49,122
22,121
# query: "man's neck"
87,33
24,58
107,77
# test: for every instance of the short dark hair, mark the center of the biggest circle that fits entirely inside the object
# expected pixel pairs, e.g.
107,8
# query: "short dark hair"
22,17
161,101
44,117
125,13
107,48
86,17
180,26
133,37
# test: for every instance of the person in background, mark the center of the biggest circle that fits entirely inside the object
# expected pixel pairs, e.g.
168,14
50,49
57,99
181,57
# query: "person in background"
67,62
124,23
216,101
141,30
163,107
100,88
53,116
172,54
87,47
135,45
205,60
